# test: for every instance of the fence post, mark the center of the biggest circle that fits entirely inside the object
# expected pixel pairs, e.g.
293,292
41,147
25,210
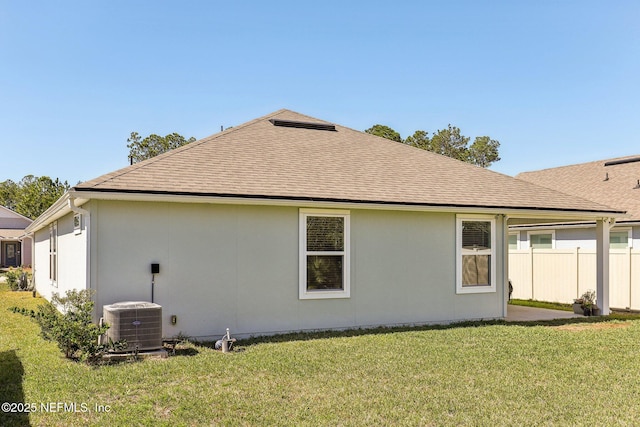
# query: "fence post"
630,260
577,272
531,265
603,226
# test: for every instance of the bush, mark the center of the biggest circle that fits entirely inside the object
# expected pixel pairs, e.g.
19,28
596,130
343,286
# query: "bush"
23,311
71,326
13,278
19,279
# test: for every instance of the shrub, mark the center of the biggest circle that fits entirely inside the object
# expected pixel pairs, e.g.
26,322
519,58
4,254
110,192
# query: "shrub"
71,326
23,311
19,279
12,278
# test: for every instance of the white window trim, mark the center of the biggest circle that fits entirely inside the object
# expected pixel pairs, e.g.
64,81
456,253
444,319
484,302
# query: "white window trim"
553,237
326,294
475,289
629,234
53,253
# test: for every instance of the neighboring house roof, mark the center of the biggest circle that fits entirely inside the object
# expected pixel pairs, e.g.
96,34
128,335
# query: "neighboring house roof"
12,224
8,213
10,220
260,159
613,182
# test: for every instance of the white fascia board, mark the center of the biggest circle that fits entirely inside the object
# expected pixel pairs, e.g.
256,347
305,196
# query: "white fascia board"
617,226
550,226
552,215
576,225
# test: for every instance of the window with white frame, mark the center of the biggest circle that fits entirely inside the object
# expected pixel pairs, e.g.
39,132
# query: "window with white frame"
620,238
324,254
476,254
542,239
77,223
53,253
513,241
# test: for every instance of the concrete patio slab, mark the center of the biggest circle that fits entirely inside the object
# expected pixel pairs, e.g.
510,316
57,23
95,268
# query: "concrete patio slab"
520,313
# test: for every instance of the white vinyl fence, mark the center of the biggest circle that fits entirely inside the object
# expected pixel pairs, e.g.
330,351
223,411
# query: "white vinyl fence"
560,275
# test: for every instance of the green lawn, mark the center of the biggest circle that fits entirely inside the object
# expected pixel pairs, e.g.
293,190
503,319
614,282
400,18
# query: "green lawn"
542,304
474,374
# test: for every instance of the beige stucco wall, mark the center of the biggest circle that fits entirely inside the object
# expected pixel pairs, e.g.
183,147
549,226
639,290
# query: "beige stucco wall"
41,262
26,251
237,266
72,259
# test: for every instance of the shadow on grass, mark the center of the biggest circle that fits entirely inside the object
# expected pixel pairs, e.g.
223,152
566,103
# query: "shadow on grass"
316,335
185,352
11,372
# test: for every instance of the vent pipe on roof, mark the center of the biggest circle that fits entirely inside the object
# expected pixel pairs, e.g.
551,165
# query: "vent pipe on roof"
606,177
637,185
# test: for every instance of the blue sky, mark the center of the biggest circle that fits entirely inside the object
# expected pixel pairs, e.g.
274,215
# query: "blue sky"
556,82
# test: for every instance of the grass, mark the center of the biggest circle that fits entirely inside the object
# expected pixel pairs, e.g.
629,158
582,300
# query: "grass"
542,304
556,373
615,314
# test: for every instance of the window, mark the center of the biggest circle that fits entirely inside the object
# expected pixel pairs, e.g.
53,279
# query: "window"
476,254
513,241
620,239
77,223
324,254
53,253
542,239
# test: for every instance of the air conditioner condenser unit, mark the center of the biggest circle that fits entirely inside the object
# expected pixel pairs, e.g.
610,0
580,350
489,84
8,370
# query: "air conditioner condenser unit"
137,322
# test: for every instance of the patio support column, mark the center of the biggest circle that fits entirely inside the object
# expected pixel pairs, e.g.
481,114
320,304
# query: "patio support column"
602,264
505,265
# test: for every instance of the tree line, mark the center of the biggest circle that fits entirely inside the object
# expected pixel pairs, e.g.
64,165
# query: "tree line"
449,142
32,195
145,148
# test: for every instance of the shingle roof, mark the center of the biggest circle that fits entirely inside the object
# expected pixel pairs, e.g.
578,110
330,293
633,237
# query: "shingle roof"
612,182
259,159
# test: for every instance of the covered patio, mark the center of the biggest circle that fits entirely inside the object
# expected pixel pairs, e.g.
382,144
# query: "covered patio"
603,227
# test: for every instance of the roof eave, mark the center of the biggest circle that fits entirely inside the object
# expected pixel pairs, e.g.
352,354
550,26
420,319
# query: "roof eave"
83,195
59,208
